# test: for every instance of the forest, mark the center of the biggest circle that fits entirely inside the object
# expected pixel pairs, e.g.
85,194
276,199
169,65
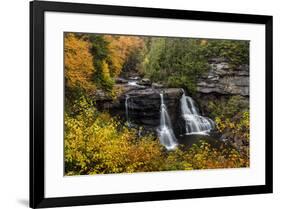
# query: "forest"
142,103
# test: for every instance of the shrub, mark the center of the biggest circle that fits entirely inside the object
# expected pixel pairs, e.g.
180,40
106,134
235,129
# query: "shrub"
96,143
227,108
232,117
233,121
238,128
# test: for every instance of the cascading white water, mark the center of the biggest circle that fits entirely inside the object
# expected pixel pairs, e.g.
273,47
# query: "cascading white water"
132,83
127,109
194,122
166,133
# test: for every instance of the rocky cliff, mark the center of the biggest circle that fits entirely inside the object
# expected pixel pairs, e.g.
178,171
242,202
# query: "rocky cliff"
143,104
224,79
139,99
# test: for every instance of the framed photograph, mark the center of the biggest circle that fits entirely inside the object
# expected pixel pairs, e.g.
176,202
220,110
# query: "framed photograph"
135,104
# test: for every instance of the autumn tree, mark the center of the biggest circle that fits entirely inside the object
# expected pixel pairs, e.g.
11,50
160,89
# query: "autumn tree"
99,49
111,53
123,52
78,62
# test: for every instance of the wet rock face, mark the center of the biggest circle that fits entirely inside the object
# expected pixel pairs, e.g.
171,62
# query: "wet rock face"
143,104
223,79
142,99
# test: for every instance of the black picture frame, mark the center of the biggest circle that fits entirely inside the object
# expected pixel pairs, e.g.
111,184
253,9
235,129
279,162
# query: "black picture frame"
37,196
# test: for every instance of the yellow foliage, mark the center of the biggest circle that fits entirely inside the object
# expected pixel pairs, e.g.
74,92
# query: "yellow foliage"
239,128
96,143
105,148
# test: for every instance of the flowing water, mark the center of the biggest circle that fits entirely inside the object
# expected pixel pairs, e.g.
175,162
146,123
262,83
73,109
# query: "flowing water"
132,83
166,133
127,105
194,122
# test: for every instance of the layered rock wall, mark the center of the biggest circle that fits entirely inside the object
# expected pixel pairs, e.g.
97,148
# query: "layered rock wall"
224,79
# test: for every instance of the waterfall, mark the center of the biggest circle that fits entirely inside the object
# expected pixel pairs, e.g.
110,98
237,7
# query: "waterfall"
194,122
127,109
166,134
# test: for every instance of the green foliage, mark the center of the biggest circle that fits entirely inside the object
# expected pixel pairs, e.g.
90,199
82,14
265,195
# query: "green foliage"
175,62
100,50
232,116
179,62
234,51
153,59
228,108
238,128
233,120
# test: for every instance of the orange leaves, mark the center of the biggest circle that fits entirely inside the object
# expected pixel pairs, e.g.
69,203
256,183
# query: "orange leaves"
120,48
78,62
93,61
